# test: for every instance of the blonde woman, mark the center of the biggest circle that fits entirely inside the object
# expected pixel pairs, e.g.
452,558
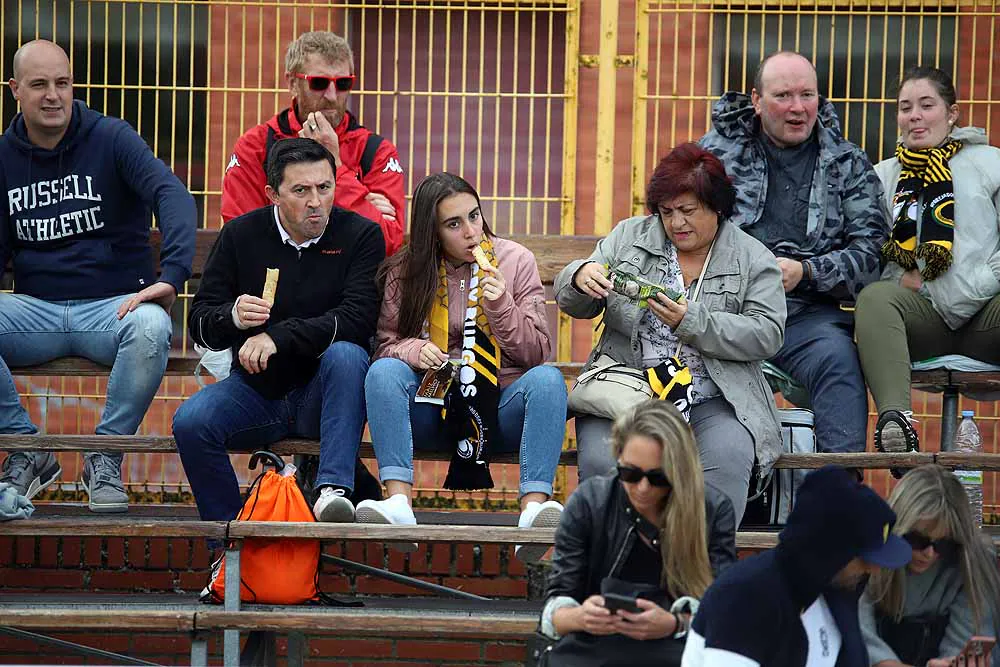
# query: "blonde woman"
652,531
925,612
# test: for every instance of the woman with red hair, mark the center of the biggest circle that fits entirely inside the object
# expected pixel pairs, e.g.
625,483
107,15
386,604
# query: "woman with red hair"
690,306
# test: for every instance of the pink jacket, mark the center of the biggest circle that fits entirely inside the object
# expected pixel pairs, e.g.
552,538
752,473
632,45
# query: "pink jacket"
517,318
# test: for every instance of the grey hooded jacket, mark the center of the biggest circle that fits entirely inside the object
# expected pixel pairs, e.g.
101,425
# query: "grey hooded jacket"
737,321
974,276
847,219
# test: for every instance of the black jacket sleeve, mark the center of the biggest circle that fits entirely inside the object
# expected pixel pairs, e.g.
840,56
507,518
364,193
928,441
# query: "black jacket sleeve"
571,558
353,319
721,519
211,319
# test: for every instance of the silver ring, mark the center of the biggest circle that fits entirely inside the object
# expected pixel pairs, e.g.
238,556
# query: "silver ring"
313,126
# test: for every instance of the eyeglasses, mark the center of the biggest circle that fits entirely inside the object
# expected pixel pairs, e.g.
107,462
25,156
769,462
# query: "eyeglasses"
634,475
945,547
321,83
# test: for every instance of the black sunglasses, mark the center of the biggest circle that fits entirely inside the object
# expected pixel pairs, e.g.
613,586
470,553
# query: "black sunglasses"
634,475
321,83
945,547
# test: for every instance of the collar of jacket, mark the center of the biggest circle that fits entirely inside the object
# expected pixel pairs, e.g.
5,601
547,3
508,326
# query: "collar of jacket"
653,239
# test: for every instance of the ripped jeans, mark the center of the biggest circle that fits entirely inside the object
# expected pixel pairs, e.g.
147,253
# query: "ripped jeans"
33,331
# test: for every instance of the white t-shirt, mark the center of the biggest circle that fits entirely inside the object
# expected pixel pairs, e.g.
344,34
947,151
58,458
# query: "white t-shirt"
822,633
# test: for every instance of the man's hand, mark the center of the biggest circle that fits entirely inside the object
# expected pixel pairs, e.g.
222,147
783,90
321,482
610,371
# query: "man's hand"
493,285
791,273
252,311
382,203
669,311
911,280
162,294
255,353
430,356
653,622
317,127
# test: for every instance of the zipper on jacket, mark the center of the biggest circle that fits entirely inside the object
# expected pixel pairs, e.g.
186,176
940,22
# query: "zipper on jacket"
461,285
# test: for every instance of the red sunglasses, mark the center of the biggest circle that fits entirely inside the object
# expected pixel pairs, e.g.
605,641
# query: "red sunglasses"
321,83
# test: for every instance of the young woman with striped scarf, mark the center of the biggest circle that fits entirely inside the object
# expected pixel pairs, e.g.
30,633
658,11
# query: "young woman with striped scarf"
939,291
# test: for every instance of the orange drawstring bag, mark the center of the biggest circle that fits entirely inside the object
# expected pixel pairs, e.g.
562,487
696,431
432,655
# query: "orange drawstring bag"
273,570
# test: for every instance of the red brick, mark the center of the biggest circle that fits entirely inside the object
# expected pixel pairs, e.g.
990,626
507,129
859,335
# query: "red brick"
115,642
334,583
355,551
136,547
377,586
441,559
491,559
499,587
328,647
159,556
6,550
201,557
515,568
144,644
375,554
92,554
48,552
37,578
396,560
25,551
115,549
180,554
465,559
418,559
132,581
191,581
506,652
69,552
392,663
415,648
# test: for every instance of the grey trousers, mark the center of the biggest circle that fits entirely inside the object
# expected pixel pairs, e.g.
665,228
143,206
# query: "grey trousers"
725,447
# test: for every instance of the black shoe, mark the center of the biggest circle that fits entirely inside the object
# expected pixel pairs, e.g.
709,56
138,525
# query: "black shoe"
894,434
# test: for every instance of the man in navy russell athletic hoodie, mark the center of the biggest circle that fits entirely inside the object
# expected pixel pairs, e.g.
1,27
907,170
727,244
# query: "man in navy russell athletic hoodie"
80,187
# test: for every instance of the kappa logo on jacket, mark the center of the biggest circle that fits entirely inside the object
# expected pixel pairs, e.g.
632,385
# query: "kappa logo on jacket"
393,165
233,162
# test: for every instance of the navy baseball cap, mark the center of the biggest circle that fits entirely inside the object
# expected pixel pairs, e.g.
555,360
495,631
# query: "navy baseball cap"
833,510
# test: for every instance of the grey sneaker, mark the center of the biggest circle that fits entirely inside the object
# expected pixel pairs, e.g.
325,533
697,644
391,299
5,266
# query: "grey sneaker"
102,479
30,472
332,506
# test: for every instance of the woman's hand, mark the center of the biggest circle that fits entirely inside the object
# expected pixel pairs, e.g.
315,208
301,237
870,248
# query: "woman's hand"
941,662
430,356
594,617
653,622
669,311
592,280
493,285
911,280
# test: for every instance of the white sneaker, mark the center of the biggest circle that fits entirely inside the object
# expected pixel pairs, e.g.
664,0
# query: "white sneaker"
332,506
394,511
537,515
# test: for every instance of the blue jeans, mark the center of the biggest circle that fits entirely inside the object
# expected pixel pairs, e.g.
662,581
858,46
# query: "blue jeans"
33,331
531,419
232,416
819,352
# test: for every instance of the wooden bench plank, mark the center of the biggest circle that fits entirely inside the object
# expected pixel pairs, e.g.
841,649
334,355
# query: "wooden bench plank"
382,533
92,619
875,460
359,622
177,365
113,526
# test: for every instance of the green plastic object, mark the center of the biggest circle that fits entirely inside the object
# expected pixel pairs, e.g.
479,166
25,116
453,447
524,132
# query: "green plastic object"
638,290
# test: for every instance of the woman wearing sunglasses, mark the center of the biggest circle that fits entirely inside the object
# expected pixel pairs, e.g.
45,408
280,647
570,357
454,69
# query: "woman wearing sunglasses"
652,532
950,591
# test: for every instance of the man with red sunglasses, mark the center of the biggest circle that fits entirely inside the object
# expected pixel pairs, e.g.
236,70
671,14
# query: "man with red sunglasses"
320,74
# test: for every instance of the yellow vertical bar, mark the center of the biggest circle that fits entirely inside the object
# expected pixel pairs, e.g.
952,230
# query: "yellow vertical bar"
208,133
604,187
362,105
567,220
430,86
413,97
515,102
446,100
547,155
378,71
528,208
480,98
465,90
156,84
640,105
259,116
989,69
845,122
496,120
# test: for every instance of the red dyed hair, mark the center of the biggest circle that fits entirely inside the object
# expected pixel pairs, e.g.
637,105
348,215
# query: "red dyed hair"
691,168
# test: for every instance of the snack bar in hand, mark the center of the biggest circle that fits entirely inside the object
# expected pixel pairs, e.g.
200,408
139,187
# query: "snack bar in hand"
270,286
481,259
638,290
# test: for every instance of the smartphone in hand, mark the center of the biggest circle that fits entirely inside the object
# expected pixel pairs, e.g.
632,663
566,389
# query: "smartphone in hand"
977,648
615,601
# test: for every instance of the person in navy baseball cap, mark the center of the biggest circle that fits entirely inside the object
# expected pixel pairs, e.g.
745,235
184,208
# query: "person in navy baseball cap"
797,604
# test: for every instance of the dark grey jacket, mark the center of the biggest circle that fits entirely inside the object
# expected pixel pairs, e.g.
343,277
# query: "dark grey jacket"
737,321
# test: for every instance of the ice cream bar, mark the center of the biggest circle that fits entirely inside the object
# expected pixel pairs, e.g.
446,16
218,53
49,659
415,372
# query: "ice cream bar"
270,286
481,258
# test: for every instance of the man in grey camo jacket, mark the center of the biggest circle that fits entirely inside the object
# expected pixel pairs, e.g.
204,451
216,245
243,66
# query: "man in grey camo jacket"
813,198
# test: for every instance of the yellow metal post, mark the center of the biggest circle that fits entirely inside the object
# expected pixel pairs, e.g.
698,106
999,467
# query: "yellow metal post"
606,83
639,106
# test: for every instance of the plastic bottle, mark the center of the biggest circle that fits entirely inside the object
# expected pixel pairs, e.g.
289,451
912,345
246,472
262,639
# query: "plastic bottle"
967,440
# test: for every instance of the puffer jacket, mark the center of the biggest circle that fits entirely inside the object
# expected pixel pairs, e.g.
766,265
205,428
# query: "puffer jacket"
848,222
737,321
974,276
599,522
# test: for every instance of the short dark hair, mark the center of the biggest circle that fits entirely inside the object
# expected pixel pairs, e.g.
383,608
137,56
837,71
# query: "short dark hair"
294,151
691,168
938,78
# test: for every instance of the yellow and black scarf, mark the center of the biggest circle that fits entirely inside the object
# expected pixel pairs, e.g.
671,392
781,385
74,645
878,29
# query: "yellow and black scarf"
470,409
925,174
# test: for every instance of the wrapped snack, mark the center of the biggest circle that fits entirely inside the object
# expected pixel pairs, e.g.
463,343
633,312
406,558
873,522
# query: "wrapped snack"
270,286
638,290
481,259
